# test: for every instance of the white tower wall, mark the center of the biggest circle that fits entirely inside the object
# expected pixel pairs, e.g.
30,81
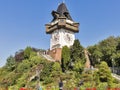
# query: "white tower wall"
60,38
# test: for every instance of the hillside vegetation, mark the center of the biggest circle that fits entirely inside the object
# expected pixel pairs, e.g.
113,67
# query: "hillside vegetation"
27,68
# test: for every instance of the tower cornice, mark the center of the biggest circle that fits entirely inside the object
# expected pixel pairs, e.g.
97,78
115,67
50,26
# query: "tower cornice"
64,23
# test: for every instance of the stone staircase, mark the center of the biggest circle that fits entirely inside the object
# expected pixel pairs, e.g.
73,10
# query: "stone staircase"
48,57
116,76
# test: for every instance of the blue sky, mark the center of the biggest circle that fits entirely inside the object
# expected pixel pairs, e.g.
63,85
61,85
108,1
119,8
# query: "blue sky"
22,22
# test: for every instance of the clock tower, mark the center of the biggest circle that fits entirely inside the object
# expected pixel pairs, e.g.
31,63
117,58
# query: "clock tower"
62,30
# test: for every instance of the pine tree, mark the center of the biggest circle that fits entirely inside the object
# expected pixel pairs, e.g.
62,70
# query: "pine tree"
105,74
65,57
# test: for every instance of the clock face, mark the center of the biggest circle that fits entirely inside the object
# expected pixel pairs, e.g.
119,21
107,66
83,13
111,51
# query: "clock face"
68,38
55,37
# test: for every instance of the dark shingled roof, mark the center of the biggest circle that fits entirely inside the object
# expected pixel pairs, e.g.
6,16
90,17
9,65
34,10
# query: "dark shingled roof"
62,11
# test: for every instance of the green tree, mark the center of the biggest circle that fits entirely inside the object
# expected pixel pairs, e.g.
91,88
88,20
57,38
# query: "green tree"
96,78
105,74
28,52
118,46
23,66
10,64
96,54
77,51
78,66
77,56
87,78
117,56
106,50
46,72
117,60
34,60
65,57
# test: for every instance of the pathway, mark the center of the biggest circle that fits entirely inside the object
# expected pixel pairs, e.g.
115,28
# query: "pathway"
116,76
48,57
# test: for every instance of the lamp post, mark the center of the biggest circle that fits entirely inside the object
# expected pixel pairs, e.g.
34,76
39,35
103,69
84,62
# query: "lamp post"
99,60
92,75
112,65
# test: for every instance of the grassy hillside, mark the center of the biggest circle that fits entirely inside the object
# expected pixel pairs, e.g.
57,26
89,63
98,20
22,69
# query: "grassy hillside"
27,69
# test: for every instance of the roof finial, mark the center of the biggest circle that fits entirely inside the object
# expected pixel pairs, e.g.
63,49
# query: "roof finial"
63,1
